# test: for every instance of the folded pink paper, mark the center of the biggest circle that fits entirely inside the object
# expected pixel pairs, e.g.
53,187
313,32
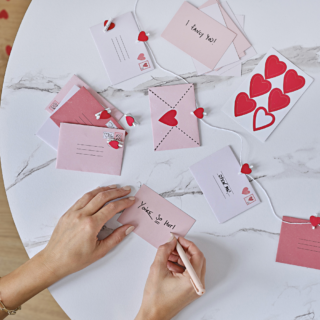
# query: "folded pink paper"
299,244
198,35
155,218
174,127
86,148
75,81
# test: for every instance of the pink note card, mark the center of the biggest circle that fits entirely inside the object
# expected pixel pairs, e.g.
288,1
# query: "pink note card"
155,218
299,244
174,127
75,81
85,148
198,35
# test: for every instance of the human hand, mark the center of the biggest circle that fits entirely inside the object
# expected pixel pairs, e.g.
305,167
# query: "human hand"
168,289
74,244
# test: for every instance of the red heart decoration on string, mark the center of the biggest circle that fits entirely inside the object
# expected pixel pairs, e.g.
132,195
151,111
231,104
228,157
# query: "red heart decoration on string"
259,86
246,169
199,113
105,115
141,57
130,120
274,67
292,82
315,221
243,105
112,25
114,144
143,37
169,118
4,14
266,123
8,50
246,190
277,100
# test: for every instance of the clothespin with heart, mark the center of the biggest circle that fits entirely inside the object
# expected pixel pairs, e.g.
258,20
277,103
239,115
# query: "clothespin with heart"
115,144
105,114
131,120
108,25
199,113
315,221
143,37
246,169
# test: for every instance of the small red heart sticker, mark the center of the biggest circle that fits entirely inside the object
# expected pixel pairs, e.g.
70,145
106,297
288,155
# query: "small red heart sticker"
114,144
199,113
130,120
250,199
112,25
141,57
315,221
143,37
105,115
246,169
246,191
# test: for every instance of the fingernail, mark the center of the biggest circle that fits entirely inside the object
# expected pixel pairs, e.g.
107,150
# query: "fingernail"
129,230
132,198
171,238
114,186
127,188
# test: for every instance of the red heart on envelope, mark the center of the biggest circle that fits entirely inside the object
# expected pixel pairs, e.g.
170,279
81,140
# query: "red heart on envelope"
114,144
246,169
105,115
112,25
259,86
141,57
250,199
199,113
169,118
130,121
246,191
143,37
315,221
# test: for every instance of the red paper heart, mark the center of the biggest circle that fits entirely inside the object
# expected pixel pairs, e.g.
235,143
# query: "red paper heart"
105,115
141,57
246,190
199,113
277,100
169,118
130,120
143,37
259,86
243,105
315,221
292,82
8,50
4,14
112,25
246,169
114,144
266,114
274,67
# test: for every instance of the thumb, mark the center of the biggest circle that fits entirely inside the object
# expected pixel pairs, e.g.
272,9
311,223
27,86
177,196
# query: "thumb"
164,253
114,239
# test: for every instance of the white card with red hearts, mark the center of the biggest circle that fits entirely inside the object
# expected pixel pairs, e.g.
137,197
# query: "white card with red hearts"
227,192
266,97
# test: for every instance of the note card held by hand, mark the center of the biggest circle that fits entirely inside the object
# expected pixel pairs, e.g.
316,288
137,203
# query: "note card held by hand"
155,218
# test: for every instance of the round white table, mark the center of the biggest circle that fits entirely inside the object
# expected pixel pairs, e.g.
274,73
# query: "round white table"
243,279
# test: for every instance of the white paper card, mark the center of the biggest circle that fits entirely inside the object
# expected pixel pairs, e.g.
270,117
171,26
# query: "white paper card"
122,56
227,192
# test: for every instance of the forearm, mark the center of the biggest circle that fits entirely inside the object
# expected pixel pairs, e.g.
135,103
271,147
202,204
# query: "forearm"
24,283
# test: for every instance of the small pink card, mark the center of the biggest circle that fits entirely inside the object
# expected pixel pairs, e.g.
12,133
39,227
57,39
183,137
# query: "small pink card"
85,148
198,35
155,218
75,81
174,127
299,244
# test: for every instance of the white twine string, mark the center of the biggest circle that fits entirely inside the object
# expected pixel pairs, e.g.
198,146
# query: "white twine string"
210,125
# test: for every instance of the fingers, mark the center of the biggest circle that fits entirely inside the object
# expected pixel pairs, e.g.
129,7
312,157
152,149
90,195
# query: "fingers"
203,272
111,209
85,199
174,267
101,198
113,239
164,253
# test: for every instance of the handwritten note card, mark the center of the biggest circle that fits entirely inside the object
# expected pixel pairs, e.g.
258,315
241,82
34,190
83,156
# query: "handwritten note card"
155,218
198,35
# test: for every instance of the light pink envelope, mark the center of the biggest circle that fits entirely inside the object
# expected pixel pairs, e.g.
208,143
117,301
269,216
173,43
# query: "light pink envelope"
165,102
85,148
299,245
75,81
155,218
81,108
198,35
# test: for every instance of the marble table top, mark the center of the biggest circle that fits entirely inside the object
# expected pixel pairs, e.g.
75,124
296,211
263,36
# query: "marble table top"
243,279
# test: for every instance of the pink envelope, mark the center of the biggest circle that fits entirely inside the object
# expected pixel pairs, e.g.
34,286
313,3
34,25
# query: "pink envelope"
85,148
81,108
198,35
155,218
174,127
299,244
75,81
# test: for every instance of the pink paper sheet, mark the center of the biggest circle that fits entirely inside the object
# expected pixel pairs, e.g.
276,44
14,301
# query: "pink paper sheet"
181,99
299,244
155,218
75,81
85,148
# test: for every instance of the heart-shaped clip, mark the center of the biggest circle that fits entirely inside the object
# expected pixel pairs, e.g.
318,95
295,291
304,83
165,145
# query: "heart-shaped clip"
143,37
246,169
315,221
115,144
199,113
105,114
130,120
108,25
